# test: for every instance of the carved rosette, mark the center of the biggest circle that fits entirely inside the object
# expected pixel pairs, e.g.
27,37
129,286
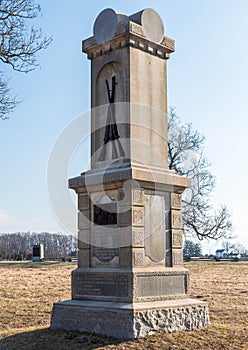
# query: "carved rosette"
176,229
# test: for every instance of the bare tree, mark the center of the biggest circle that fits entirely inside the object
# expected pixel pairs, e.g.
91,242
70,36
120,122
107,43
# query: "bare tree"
185,148
19,44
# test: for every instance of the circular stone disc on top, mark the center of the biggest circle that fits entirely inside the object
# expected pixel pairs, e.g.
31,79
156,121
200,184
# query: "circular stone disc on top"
105,26
152,25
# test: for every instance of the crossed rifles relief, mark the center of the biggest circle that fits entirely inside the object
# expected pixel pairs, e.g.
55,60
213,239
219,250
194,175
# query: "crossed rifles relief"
111,136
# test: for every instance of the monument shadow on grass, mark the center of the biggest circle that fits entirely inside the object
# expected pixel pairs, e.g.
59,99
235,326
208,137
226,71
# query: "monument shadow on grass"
47,339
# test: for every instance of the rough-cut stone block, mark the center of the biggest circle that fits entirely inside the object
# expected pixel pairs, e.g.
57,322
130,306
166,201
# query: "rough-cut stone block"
129,321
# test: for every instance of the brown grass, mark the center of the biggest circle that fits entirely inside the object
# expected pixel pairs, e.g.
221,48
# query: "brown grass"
27,293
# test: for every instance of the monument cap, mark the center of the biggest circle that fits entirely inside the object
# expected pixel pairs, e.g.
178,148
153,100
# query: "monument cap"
106,24
151,22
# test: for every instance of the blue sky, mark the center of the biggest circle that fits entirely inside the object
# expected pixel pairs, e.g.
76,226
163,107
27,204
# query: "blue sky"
207,83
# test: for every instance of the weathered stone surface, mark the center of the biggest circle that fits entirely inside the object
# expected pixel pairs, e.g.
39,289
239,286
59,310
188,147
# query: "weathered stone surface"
177,257
84,258
153,178
125,218
83,201
84,219
138,257
84,239
138,197
177,238
161,285
138,216
126,257
99,285
151,23
130,320
105,244
176,201
106,25
155,228
138,237
176,219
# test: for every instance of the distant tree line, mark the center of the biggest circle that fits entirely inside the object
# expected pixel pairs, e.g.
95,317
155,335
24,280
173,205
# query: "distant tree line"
18,246
191,249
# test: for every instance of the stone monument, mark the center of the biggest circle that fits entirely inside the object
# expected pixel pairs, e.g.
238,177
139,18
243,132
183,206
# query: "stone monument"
130,281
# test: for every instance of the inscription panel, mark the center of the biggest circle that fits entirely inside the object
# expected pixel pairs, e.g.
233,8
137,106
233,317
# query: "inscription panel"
105,254
98,285
161,285
105,241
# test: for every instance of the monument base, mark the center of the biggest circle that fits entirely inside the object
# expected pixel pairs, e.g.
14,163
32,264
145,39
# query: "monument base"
129,321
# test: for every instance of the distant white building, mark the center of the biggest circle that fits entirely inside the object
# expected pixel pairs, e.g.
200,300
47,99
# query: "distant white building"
219,254
224,254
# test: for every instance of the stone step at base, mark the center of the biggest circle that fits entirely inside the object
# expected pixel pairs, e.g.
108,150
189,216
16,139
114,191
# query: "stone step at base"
129,321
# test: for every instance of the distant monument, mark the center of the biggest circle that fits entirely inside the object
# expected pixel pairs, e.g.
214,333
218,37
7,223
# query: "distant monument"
38,253
130,281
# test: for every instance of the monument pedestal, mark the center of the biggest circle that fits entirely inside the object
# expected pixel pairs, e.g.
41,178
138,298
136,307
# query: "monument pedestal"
130,272
130,280
129,321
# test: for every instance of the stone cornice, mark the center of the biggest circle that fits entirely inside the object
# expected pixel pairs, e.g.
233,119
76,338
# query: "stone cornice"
129,34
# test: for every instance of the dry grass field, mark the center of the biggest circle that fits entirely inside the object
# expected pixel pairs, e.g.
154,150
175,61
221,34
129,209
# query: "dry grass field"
27,293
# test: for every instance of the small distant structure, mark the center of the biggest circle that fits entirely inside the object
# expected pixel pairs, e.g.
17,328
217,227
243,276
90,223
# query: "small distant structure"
224,254
38,253
219,254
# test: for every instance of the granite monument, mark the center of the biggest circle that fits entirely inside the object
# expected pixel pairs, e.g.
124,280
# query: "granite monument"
130,281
